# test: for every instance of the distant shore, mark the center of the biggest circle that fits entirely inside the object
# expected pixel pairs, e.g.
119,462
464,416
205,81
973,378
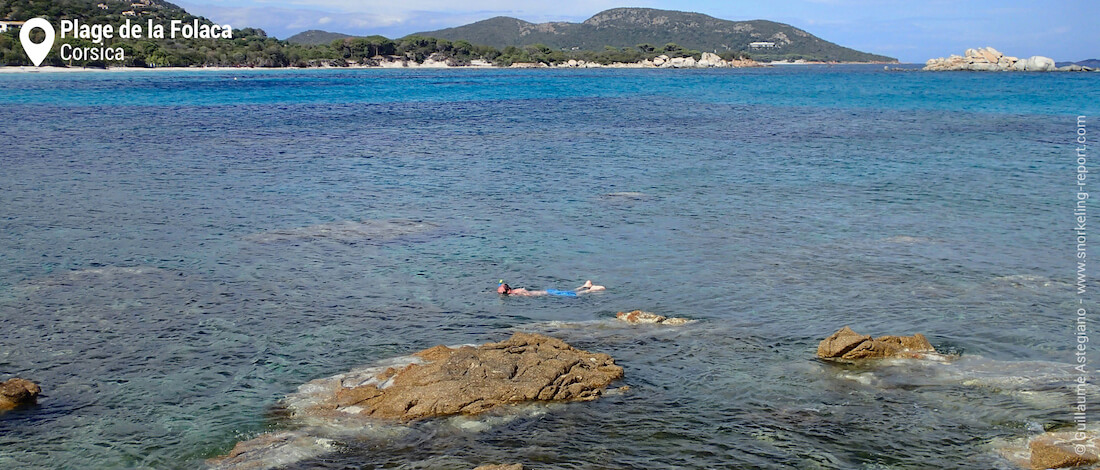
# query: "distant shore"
411,65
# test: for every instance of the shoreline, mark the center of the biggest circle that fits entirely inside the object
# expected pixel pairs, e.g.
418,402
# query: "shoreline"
17,69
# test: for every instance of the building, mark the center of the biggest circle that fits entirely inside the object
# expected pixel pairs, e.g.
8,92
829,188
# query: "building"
761,44
5,25
102,6
129,13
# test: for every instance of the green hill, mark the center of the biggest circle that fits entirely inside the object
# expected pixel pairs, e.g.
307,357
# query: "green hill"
316,36
249,46
628,27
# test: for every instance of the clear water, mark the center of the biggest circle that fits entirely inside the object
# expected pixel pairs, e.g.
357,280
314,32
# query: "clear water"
137,285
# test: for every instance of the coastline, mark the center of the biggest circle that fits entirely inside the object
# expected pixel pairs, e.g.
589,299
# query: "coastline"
16,69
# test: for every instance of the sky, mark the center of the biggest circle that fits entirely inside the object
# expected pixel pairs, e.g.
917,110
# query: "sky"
912,31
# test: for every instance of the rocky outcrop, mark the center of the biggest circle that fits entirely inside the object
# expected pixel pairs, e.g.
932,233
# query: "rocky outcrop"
848,345
706,60
989,59
1062,450
1056,449
514,466
469,380
18,392
1075,68
272,450
640,316
437,381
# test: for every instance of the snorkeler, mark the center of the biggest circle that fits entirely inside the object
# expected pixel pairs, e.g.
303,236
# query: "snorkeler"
505,289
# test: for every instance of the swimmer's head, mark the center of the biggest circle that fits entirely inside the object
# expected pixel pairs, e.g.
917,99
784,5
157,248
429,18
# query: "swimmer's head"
503,288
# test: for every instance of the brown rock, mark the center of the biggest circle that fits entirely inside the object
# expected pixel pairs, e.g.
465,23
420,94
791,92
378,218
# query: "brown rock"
434,353
514,466
469,380
840,343
1060,450
846,344
18,392
640,316
916,342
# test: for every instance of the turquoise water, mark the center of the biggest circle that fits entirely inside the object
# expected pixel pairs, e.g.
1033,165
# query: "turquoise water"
167,277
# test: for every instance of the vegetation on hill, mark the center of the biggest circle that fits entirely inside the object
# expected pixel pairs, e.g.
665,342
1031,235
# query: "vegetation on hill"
252,48
316,37
626,27
249,47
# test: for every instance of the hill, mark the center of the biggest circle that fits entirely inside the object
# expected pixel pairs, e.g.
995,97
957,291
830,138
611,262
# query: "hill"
629,27
1093,63
316,36
249,46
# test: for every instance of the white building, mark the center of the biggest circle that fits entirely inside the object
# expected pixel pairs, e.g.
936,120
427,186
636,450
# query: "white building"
5,26
761,44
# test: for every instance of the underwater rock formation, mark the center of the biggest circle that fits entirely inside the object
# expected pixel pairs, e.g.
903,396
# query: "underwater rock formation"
640,316
346,231
435,382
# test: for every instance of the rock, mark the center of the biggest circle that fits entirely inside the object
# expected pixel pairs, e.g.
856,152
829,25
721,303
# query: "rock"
660,60
680,62
1038,63
1061,450
639,316
273,450
18,392
739,63
984,67
514,466
710,59
988,59
469,380
848,345
990,54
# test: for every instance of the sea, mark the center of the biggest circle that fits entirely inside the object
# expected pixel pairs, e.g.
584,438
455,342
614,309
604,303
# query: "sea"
183,249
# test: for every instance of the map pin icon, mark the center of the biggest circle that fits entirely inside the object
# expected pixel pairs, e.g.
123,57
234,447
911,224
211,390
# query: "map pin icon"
37,52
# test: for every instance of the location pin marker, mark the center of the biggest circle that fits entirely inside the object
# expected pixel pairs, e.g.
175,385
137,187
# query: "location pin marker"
37,52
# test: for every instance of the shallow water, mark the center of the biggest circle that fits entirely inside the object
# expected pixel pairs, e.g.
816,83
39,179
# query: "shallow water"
167,276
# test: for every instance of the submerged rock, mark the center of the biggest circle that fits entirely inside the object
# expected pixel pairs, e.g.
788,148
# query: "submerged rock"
846,344
469,380
439,381
272,450
18,392
346,231
640,316
628,195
